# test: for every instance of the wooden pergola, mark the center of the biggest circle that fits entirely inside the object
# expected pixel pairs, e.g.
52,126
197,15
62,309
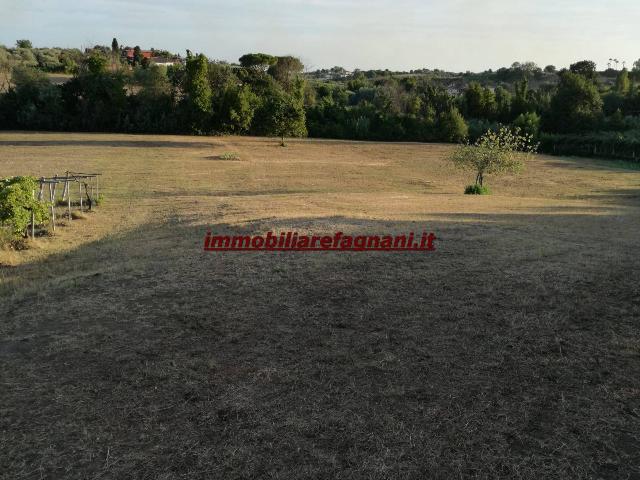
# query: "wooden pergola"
87,181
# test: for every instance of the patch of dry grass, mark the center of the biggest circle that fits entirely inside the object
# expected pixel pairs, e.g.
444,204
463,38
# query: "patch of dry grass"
511,352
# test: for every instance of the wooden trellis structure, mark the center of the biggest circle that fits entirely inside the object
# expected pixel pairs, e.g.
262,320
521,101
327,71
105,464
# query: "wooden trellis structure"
87,181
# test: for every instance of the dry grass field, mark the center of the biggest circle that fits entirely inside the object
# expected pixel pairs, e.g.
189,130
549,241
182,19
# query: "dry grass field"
512,351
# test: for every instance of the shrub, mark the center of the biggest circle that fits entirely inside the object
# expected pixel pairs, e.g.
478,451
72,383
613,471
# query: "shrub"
18,202
476,190
229,156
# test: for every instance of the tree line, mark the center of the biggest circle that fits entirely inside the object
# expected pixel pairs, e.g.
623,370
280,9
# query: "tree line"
270,95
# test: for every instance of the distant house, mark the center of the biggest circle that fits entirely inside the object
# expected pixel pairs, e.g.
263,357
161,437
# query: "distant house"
128,53
153,57
164,61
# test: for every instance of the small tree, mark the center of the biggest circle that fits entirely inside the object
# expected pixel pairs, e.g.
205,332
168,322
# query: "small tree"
24,44
285,116
495,153
18,203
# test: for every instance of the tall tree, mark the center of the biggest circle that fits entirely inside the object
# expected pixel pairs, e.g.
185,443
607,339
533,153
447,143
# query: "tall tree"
623,85
576,106
137,55
479,102
257,61
24,43
197,92
586,68
285,70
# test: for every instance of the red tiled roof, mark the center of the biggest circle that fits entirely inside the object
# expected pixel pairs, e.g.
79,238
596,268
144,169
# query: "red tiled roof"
145,53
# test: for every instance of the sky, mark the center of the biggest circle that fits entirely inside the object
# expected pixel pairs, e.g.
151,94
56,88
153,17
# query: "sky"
454,35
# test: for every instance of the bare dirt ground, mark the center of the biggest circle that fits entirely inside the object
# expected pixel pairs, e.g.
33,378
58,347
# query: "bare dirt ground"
513,351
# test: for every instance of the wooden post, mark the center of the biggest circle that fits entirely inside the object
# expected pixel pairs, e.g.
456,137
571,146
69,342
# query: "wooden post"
41,187
53,212
68,199
65,189
97,190
80,190
33,219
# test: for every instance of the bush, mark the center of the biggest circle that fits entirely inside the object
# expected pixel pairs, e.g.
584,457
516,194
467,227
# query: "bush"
229,156
18,202
476,190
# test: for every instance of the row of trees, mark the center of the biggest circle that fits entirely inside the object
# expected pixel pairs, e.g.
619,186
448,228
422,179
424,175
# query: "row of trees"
197,97
268,95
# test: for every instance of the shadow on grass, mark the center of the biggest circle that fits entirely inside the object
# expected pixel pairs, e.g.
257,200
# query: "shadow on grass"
510,351
109,143
599,164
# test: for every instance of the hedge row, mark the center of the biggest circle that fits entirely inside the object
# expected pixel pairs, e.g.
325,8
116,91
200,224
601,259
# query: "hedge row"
619,145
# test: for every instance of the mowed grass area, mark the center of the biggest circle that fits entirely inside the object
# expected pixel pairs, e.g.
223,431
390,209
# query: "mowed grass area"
513,351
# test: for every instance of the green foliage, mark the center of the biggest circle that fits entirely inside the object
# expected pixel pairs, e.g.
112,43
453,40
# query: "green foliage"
503,104
476,189
18,202
258,61
285,116
453,128
623,84
272,96
528,123
522,101
95,101
95,64
24,44
621,145
33,102
285,70
229,156
477,128
197,92
137,55
480,102
576,106
494,153
585,68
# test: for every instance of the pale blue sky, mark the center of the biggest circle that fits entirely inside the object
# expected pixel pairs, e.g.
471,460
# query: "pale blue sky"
396,34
